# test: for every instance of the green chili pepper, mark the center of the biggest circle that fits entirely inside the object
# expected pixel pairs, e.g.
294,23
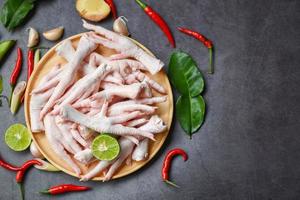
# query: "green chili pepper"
1,89
37,56
5,46
1,84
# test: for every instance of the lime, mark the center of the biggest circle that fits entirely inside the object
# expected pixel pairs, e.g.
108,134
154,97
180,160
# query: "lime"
17,137
105,147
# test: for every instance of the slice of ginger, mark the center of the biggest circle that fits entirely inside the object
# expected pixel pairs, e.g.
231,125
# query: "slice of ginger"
93,10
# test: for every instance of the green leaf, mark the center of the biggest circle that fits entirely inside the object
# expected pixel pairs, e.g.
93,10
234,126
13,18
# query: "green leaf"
8,10
190,113
188,80
14,12
4,15
185,75
20,14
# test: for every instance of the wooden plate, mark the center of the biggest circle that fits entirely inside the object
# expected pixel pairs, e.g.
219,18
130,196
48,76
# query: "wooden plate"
50,59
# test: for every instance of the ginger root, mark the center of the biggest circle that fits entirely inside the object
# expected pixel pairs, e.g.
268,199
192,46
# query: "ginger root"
93,10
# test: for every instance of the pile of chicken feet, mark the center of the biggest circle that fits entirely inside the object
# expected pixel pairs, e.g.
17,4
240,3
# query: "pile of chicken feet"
112,95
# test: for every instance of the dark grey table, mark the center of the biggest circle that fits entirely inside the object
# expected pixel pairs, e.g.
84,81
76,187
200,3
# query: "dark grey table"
248,147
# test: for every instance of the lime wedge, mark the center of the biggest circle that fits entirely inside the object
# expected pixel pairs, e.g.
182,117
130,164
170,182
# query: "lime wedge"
17,137
105,147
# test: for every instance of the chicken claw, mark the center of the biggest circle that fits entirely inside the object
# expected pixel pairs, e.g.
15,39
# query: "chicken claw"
102,124
55,141
83,85
67,78
125,46
126,149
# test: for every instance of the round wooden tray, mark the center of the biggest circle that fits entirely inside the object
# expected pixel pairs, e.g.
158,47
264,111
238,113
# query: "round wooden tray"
50,59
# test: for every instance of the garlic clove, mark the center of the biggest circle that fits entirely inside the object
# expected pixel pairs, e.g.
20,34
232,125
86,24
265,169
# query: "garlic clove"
54,34
120,26
35,152
46,166
33,37
17,95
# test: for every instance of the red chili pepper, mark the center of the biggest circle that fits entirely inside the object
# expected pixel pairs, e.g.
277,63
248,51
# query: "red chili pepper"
113,8
30,62
19,180
208,43
15,74
30,163
60,189
158,20
167,164
20,174
8,166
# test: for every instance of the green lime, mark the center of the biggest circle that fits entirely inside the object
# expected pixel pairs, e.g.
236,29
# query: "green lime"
17,137
105,147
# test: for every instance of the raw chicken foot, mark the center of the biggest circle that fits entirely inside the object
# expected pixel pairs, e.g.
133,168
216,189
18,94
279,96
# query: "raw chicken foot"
85,47
102,124
125,46
52,134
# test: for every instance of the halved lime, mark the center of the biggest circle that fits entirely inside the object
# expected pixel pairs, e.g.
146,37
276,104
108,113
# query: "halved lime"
105,147
17,137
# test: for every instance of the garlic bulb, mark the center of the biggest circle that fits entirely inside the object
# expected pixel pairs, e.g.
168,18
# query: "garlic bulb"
120,26
54,34
33,37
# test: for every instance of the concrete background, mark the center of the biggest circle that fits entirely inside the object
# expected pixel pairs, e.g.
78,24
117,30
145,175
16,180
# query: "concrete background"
248,147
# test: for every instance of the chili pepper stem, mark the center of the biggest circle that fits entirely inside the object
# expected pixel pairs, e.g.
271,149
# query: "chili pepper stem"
171,183
142,4
21,190
44,192
211,67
